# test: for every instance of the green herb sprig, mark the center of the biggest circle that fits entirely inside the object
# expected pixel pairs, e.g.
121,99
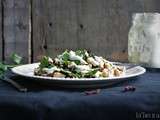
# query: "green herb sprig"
15,58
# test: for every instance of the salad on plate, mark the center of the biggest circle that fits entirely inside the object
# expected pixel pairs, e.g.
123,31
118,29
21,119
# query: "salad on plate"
78,64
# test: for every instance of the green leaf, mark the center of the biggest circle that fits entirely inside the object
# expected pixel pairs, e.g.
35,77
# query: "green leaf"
77,62
65,56
44,63
77,75
81,53
74,74
66,63
91,73
16,58
3,69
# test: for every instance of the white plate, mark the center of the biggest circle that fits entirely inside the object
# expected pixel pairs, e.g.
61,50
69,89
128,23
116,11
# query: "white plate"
28,72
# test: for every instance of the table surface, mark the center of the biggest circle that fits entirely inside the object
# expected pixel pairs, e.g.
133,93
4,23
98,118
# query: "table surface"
44,103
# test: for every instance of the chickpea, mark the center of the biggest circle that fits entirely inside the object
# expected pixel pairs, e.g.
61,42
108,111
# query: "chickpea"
105,73
107,65
102,65
117,72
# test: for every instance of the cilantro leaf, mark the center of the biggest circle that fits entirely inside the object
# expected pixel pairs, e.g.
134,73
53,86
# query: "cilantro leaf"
3,69
16,58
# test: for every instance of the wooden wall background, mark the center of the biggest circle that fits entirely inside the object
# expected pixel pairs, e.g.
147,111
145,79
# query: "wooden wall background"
33,28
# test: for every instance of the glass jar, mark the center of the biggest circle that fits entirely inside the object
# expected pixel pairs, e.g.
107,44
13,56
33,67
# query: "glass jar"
144,40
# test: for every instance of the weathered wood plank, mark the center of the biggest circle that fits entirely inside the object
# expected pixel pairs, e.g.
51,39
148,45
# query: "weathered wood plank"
98,25
54,26
1,30
16,28
88,24
101,21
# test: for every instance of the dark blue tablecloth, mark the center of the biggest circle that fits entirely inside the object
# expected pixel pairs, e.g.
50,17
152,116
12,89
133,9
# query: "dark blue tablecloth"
43,103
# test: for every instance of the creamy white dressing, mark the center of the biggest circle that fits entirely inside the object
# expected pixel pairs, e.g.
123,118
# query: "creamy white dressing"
98,59
57,60
73,56
83,68
72,65
50,60
93,62
86,54
84,71
51,70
